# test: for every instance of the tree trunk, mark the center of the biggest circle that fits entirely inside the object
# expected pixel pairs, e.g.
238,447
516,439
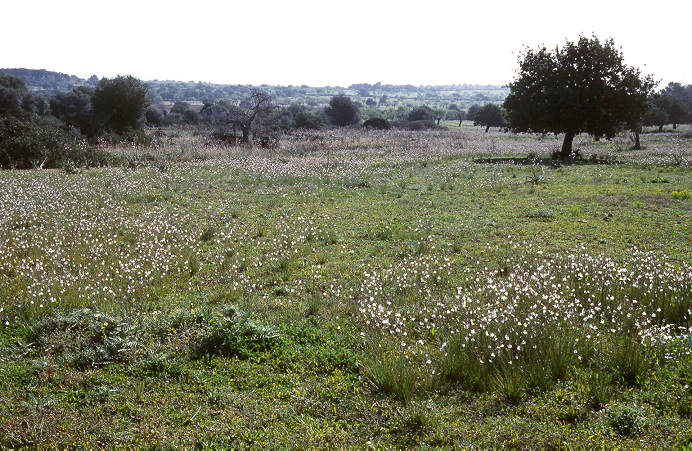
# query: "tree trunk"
637,131
460,122
566,151
660,128
246,135
675,125
487,128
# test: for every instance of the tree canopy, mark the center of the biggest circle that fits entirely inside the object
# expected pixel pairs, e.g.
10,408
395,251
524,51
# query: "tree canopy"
421,113
245,117
119,102
74,108
342,111
489,115
581,87
471,113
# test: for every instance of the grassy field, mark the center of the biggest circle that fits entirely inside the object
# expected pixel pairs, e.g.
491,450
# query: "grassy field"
351,288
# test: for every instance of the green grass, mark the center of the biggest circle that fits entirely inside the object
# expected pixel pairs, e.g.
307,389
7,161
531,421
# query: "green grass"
244,299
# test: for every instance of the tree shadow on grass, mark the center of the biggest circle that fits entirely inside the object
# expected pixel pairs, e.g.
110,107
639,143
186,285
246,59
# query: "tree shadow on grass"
528,161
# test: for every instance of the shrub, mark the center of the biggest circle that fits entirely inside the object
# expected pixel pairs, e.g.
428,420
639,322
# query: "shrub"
308,120
625,419
377,123
226,136
26,145
86,338
682,194
415,125
234,335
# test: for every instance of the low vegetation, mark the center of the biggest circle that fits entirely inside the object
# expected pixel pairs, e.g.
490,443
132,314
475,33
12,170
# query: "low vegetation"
349,286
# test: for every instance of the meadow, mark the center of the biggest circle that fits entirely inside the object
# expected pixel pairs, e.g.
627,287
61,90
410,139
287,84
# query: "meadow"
350,287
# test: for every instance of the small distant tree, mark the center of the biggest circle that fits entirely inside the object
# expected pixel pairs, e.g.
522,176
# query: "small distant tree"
342,111
180,108
371,102
191,117
119,103
581,87
244,117
655,115
439,114
489,115
421,113
153,116
683,95
471,113
215,113
675,110
460,116
401,112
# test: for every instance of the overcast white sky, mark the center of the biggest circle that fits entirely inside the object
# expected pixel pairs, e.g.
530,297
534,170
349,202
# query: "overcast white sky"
322,43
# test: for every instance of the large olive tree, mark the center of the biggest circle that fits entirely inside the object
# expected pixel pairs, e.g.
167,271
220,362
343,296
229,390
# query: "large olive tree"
582,87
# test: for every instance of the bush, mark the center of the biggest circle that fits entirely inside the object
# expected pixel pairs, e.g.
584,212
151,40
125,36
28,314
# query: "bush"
234,335
85,338
26,145
377,123
226,136
308,120
154,116
415,125
624,419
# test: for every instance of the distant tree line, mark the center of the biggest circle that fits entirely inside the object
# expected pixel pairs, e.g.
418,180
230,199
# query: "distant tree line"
583,87
35,132
371,95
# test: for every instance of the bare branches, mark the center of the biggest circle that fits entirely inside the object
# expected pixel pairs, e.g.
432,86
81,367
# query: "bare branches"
259,104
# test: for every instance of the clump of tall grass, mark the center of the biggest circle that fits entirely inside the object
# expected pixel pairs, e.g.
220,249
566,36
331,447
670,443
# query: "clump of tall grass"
390,372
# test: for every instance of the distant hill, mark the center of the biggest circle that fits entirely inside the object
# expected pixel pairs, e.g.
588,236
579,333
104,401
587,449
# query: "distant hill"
49,83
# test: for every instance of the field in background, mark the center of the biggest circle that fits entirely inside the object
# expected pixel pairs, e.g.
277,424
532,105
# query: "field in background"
351,287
